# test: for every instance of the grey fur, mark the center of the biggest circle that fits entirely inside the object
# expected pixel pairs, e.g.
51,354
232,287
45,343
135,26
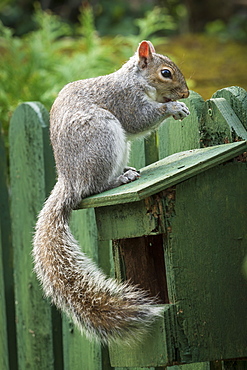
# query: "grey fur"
92,122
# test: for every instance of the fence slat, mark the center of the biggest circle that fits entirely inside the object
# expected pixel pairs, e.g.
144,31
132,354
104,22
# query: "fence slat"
79,352
44,341
137,154
237,98
4,354
177,136
28,128
227,115
7,260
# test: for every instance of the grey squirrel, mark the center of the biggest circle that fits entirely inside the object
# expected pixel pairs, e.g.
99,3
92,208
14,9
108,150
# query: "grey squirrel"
91,123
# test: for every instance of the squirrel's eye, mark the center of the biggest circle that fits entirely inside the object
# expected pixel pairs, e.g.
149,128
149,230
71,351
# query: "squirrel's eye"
166,73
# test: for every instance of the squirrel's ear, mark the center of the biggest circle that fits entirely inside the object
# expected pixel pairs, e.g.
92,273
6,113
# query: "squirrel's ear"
145,53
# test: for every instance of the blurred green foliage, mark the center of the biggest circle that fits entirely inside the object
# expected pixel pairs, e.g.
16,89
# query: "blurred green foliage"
235,29
111,18
38,64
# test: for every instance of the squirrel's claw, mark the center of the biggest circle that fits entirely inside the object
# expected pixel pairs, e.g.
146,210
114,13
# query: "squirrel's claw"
177,110
128,176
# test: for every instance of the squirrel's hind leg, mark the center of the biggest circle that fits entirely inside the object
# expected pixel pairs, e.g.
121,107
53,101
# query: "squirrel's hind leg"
98,152
129,175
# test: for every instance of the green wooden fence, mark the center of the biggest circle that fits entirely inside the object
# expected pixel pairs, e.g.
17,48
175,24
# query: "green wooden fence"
33,334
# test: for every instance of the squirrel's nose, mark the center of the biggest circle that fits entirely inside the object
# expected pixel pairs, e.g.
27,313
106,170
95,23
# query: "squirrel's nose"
185,94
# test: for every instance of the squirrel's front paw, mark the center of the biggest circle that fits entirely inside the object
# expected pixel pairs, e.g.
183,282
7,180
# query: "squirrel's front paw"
177,109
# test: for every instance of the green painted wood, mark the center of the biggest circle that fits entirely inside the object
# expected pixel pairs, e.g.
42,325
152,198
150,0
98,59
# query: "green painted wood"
7,260
205,247
153,350
173,136
4,354
224,118
29,126
79,352
126,221
216,365
176,136
237,98
151,148
220,110
105,262
214,129
165,173
208,241
196,366
137,154
138,368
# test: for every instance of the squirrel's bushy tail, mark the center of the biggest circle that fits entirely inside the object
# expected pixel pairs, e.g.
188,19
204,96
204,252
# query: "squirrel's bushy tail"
101,307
